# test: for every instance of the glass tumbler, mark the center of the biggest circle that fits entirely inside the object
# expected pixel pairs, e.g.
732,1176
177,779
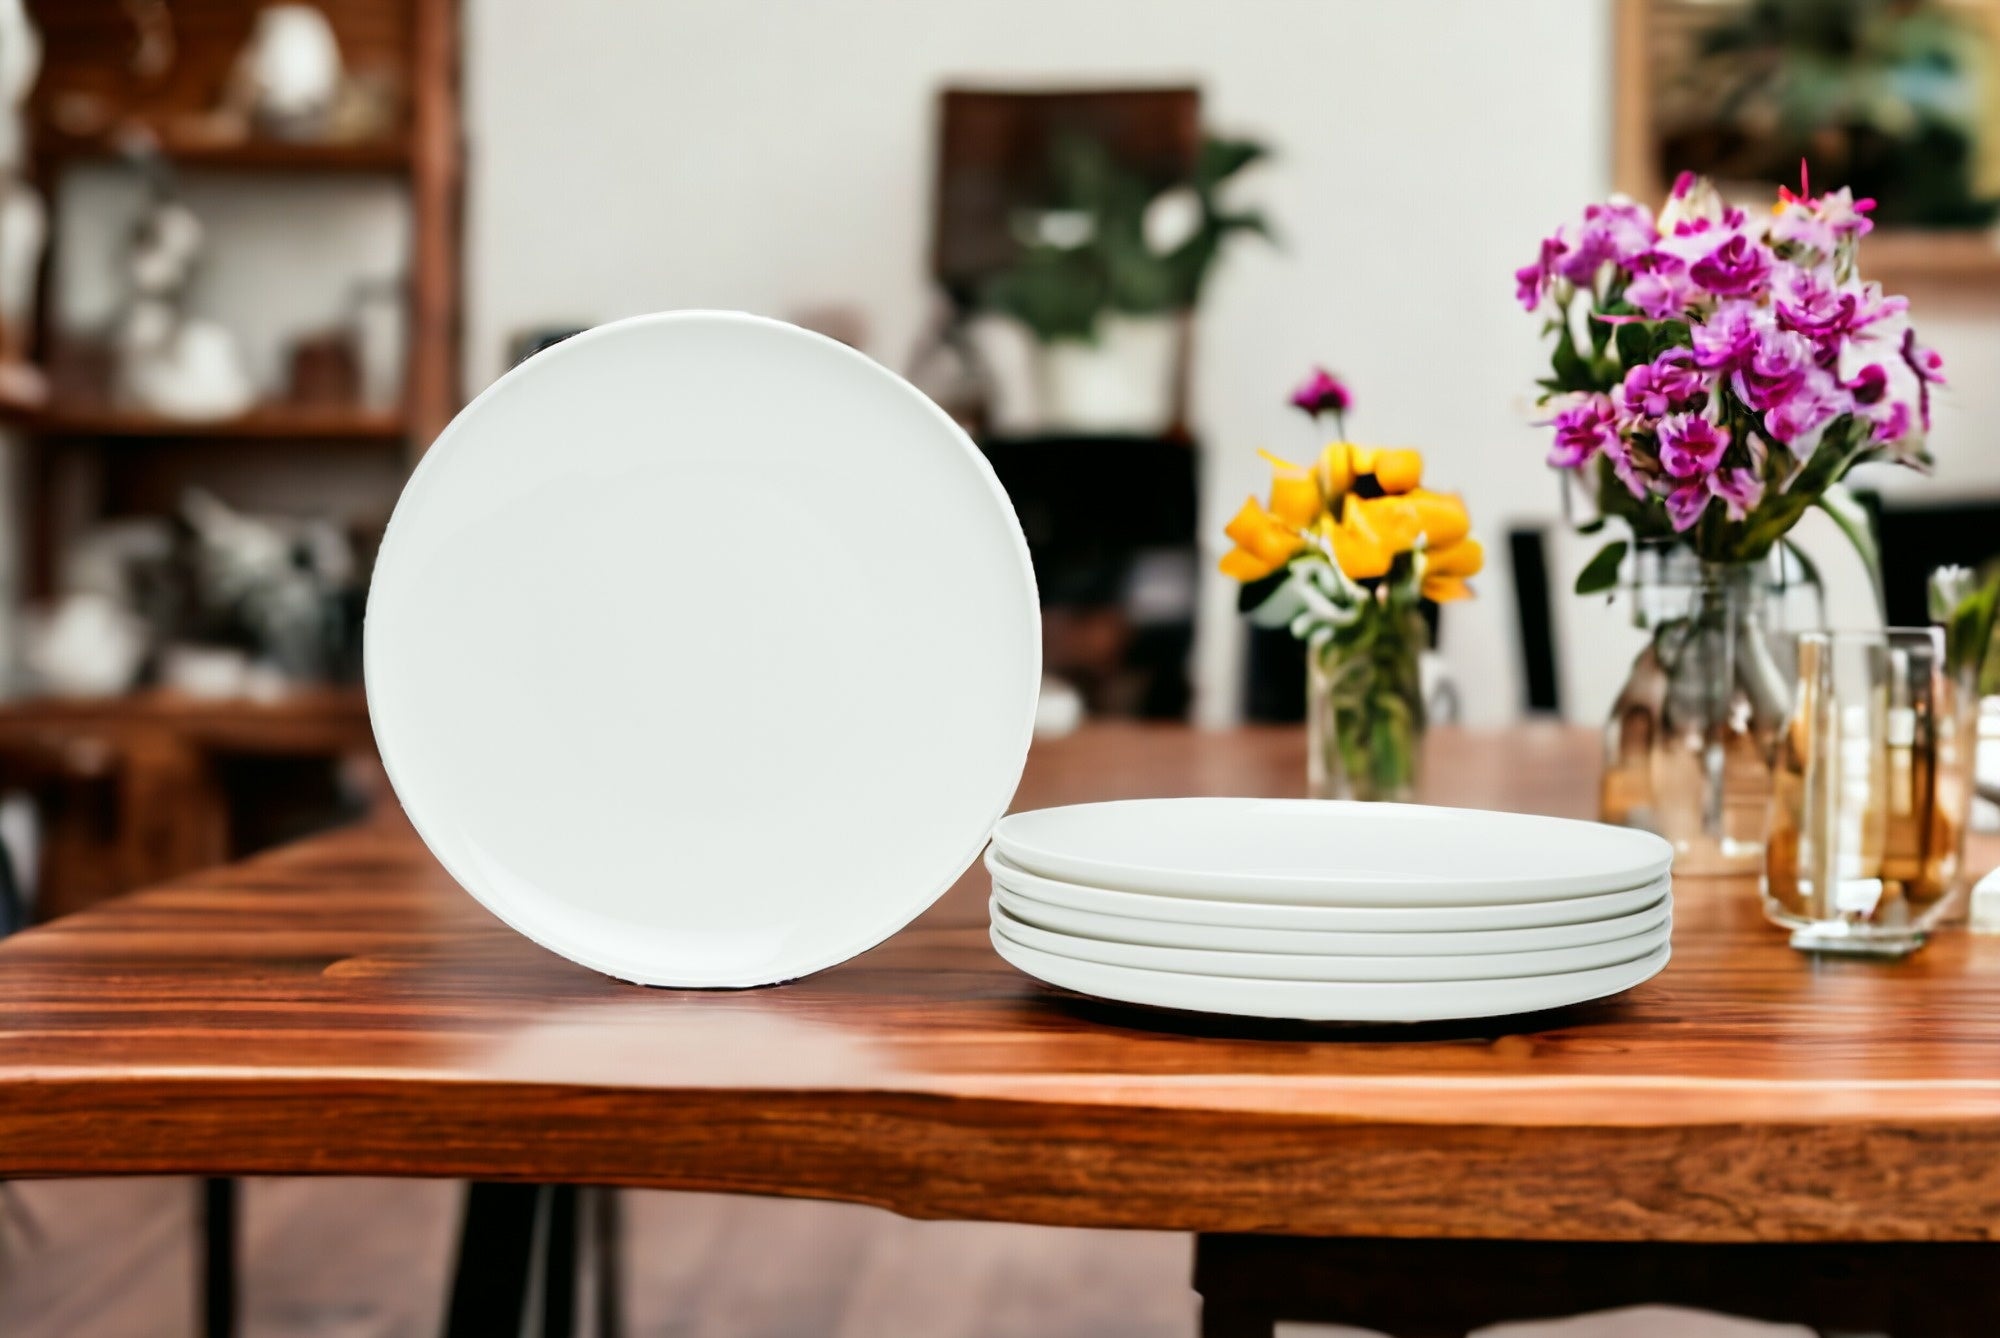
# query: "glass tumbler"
1862,851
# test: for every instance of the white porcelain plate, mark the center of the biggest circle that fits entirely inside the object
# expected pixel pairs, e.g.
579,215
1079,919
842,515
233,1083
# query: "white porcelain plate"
1321,1001
1231,938
1318,853
1340,919
703,650
1326,966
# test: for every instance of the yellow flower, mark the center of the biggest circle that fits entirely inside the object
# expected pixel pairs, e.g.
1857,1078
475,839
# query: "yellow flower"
1268,536
1264,543
1339,464
1445,570
1373,531
1442,515
1239,565
1356,547
1295,500
1342,464
1398,469
1365,534
1393,521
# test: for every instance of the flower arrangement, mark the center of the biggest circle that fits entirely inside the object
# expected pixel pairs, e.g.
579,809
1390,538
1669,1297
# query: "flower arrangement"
1715,372
1343,555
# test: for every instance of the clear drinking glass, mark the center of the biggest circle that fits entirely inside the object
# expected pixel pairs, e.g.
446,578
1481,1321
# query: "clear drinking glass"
1862,850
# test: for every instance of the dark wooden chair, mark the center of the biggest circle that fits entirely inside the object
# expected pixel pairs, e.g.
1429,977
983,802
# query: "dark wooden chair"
1448,1288
1918,538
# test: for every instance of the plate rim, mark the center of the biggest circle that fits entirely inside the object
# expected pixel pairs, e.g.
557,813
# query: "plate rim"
1275,914
1654,913
611,962
1638,944
1164,880
1278,992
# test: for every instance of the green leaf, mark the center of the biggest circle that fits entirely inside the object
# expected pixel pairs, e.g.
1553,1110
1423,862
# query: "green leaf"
1571,371
1969,633
1252,221
1844,443
1600,335
1807,566
1854,522
1252,594
1635,345
1601,572
1221,159
1056,294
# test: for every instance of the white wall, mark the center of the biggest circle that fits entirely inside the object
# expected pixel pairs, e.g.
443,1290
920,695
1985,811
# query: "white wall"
775,156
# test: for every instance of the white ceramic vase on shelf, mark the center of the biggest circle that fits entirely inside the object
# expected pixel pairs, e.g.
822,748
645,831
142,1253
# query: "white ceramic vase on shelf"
1122,382
291,70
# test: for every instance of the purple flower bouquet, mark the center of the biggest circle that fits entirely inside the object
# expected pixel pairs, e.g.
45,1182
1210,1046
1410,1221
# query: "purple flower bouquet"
1717,372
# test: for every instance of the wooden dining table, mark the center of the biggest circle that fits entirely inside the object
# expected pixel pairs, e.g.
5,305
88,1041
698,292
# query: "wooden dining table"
1787,1136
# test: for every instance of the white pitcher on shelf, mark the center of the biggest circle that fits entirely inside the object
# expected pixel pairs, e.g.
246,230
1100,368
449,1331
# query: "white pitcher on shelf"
171,363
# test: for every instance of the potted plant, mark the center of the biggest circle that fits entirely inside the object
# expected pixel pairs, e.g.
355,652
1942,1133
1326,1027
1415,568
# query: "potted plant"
1107,273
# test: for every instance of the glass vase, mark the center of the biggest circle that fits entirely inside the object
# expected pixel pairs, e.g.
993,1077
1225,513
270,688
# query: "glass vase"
1365,708
1866,815
1689,744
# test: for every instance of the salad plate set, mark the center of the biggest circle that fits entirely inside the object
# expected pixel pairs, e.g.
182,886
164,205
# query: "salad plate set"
1328,911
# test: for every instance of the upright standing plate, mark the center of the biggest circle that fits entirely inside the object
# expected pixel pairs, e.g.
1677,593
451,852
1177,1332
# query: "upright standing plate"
703,650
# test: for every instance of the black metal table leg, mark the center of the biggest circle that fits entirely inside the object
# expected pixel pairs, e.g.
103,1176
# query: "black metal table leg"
491,1281
558,1263
218,1258
607,1261
522,1250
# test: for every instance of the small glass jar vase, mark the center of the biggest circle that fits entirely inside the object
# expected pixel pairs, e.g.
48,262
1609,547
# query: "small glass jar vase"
1689,743
1867,810
1365,708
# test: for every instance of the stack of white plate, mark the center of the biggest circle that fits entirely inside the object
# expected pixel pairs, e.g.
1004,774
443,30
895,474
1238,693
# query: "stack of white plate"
1328,911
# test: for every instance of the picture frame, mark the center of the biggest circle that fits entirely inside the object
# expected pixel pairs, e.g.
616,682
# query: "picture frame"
1656,43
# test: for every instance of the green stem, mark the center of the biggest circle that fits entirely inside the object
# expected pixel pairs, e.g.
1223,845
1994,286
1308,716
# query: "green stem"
1374,699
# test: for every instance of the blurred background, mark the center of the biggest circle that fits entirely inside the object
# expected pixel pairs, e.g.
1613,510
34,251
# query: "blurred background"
254,255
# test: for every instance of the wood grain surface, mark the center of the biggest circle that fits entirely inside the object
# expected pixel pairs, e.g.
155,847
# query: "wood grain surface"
341,1007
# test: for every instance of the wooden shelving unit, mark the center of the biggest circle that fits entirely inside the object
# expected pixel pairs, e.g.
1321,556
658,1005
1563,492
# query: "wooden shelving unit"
138,787
165,117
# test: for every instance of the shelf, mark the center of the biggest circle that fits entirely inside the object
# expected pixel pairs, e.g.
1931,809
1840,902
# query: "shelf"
268,422
391,156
